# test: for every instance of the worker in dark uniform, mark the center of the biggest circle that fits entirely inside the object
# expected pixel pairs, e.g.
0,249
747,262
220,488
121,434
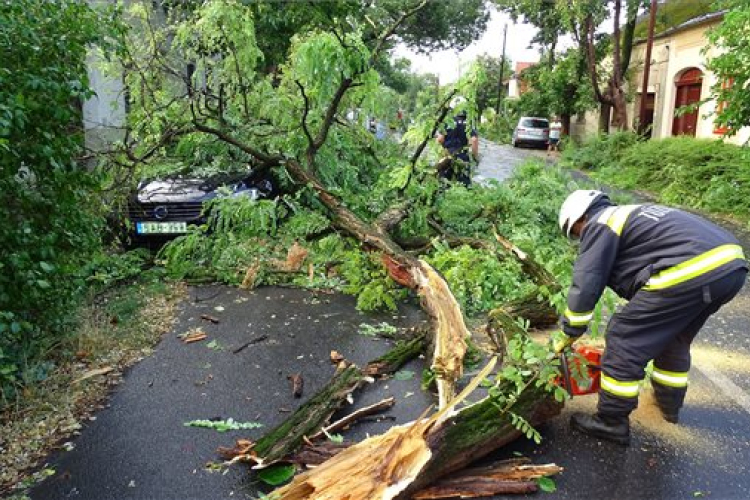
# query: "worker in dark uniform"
459,146
675,268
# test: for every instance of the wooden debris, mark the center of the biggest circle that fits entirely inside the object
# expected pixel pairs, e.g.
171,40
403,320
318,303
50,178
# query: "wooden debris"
195,335
336,357
379,467
259,338
242,451
406,459
94,373
251,276
298,384
210,319
396,357
354,416
508,477
294,258
285,439
312,455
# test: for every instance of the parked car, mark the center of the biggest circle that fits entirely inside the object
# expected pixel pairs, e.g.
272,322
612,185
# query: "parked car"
532,131
162,209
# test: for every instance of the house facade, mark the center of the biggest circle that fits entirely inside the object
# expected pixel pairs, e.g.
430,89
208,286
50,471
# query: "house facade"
678,77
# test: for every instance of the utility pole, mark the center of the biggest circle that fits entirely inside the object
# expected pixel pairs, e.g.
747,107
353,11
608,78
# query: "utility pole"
647,69
502,70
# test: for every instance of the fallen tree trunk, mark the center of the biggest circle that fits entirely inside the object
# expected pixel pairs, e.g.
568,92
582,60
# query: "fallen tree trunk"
449,329
399,463
287,437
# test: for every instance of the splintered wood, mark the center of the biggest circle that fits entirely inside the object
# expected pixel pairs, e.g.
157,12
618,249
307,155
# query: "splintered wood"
380,467
509,477
449,327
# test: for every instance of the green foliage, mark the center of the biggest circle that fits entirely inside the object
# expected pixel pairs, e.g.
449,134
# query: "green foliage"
526,364
51,214
491,72
732,65
223,425
375,330
546,484
278,474
673,13
478,279
698,173
599,152
560,88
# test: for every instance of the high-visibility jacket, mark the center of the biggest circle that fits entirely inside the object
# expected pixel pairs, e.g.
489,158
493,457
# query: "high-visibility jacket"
645,247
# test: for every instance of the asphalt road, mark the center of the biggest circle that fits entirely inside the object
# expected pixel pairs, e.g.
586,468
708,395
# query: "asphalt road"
138,448
497,161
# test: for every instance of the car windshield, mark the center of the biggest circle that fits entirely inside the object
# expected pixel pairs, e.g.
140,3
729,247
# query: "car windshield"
534,123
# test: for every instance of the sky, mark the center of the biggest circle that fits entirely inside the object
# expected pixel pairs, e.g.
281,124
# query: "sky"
448,64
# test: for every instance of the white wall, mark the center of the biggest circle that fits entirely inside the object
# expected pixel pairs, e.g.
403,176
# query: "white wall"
104,113
670,57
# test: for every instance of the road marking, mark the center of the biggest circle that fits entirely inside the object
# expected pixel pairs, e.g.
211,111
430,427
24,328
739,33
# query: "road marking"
732,390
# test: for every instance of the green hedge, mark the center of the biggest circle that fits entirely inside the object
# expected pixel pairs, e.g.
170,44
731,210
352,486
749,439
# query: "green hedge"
699,173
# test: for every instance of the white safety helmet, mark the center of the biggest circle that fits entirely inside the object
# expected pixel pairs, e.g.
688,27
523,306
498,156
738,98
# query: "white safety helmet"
575,206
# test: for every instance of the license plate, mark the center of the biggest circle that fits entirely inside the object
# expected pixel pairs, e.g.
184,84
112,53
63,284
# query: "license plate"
161,227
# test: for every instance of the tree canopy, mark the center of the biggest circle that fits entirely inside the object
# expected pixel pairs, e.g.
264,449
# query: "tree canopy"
732,66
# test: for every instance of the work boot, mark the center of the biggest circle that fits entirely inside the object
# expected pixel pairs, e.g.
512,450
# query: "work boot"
671,415
615,429
669,401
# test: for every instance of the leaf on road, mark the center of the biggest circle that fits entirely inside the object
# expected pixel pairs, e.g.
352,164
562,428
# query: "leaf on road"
277,474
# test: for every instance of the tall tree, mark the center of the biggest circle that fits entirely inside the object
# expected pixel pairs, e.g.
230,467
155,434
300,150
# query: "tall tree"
544,15
583,19
732,66
486,92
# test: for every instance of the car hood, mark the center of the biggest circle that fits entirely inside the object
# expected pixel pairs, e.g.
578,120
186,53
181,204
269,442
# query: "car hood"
175,190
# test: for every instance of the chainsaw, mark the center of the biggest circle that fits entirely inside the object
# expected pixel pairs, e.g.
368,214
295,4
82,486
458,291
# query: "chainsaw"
593,357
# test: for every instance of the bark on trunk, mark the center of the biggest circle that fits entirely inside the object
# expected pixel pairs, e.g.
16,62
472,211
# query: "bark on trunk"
605,111
309,418
399,463
287,437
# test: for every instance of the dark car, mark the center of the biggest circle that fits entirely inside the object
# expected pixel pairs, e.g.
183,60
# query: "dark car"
161,209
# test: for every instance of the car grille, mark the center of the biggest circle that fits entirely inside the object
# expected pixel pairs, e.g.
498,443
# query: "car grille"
167,212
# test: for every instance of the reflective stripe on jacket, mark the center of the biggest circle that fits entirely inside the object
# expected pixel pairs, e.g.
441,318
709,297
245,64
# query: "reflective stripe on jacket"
649,247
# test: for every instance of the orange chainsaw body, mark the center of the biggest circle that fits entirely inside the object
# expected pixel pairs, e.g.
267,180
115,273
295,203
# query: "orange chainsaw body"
593,357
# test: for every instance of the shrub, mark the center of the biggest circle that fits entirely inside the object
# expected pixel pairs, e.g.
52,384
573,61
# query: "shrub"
599,151
51,221
699,173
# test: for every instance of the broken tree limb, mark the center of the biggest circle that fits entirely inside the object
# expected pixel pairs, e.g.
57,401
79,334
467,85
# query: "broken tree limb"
508,477
308,419
287,437
396,357
354,416
379,467
437,300
449,344
404,460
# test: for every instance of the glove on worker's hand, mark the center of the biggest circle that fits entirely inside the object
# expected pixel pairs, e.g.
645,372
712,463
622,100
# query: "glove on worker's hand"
560,341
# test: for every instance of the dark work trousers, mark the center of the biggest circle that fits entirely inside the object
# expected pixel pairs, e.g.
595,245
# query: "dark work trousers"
458,170
659,325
